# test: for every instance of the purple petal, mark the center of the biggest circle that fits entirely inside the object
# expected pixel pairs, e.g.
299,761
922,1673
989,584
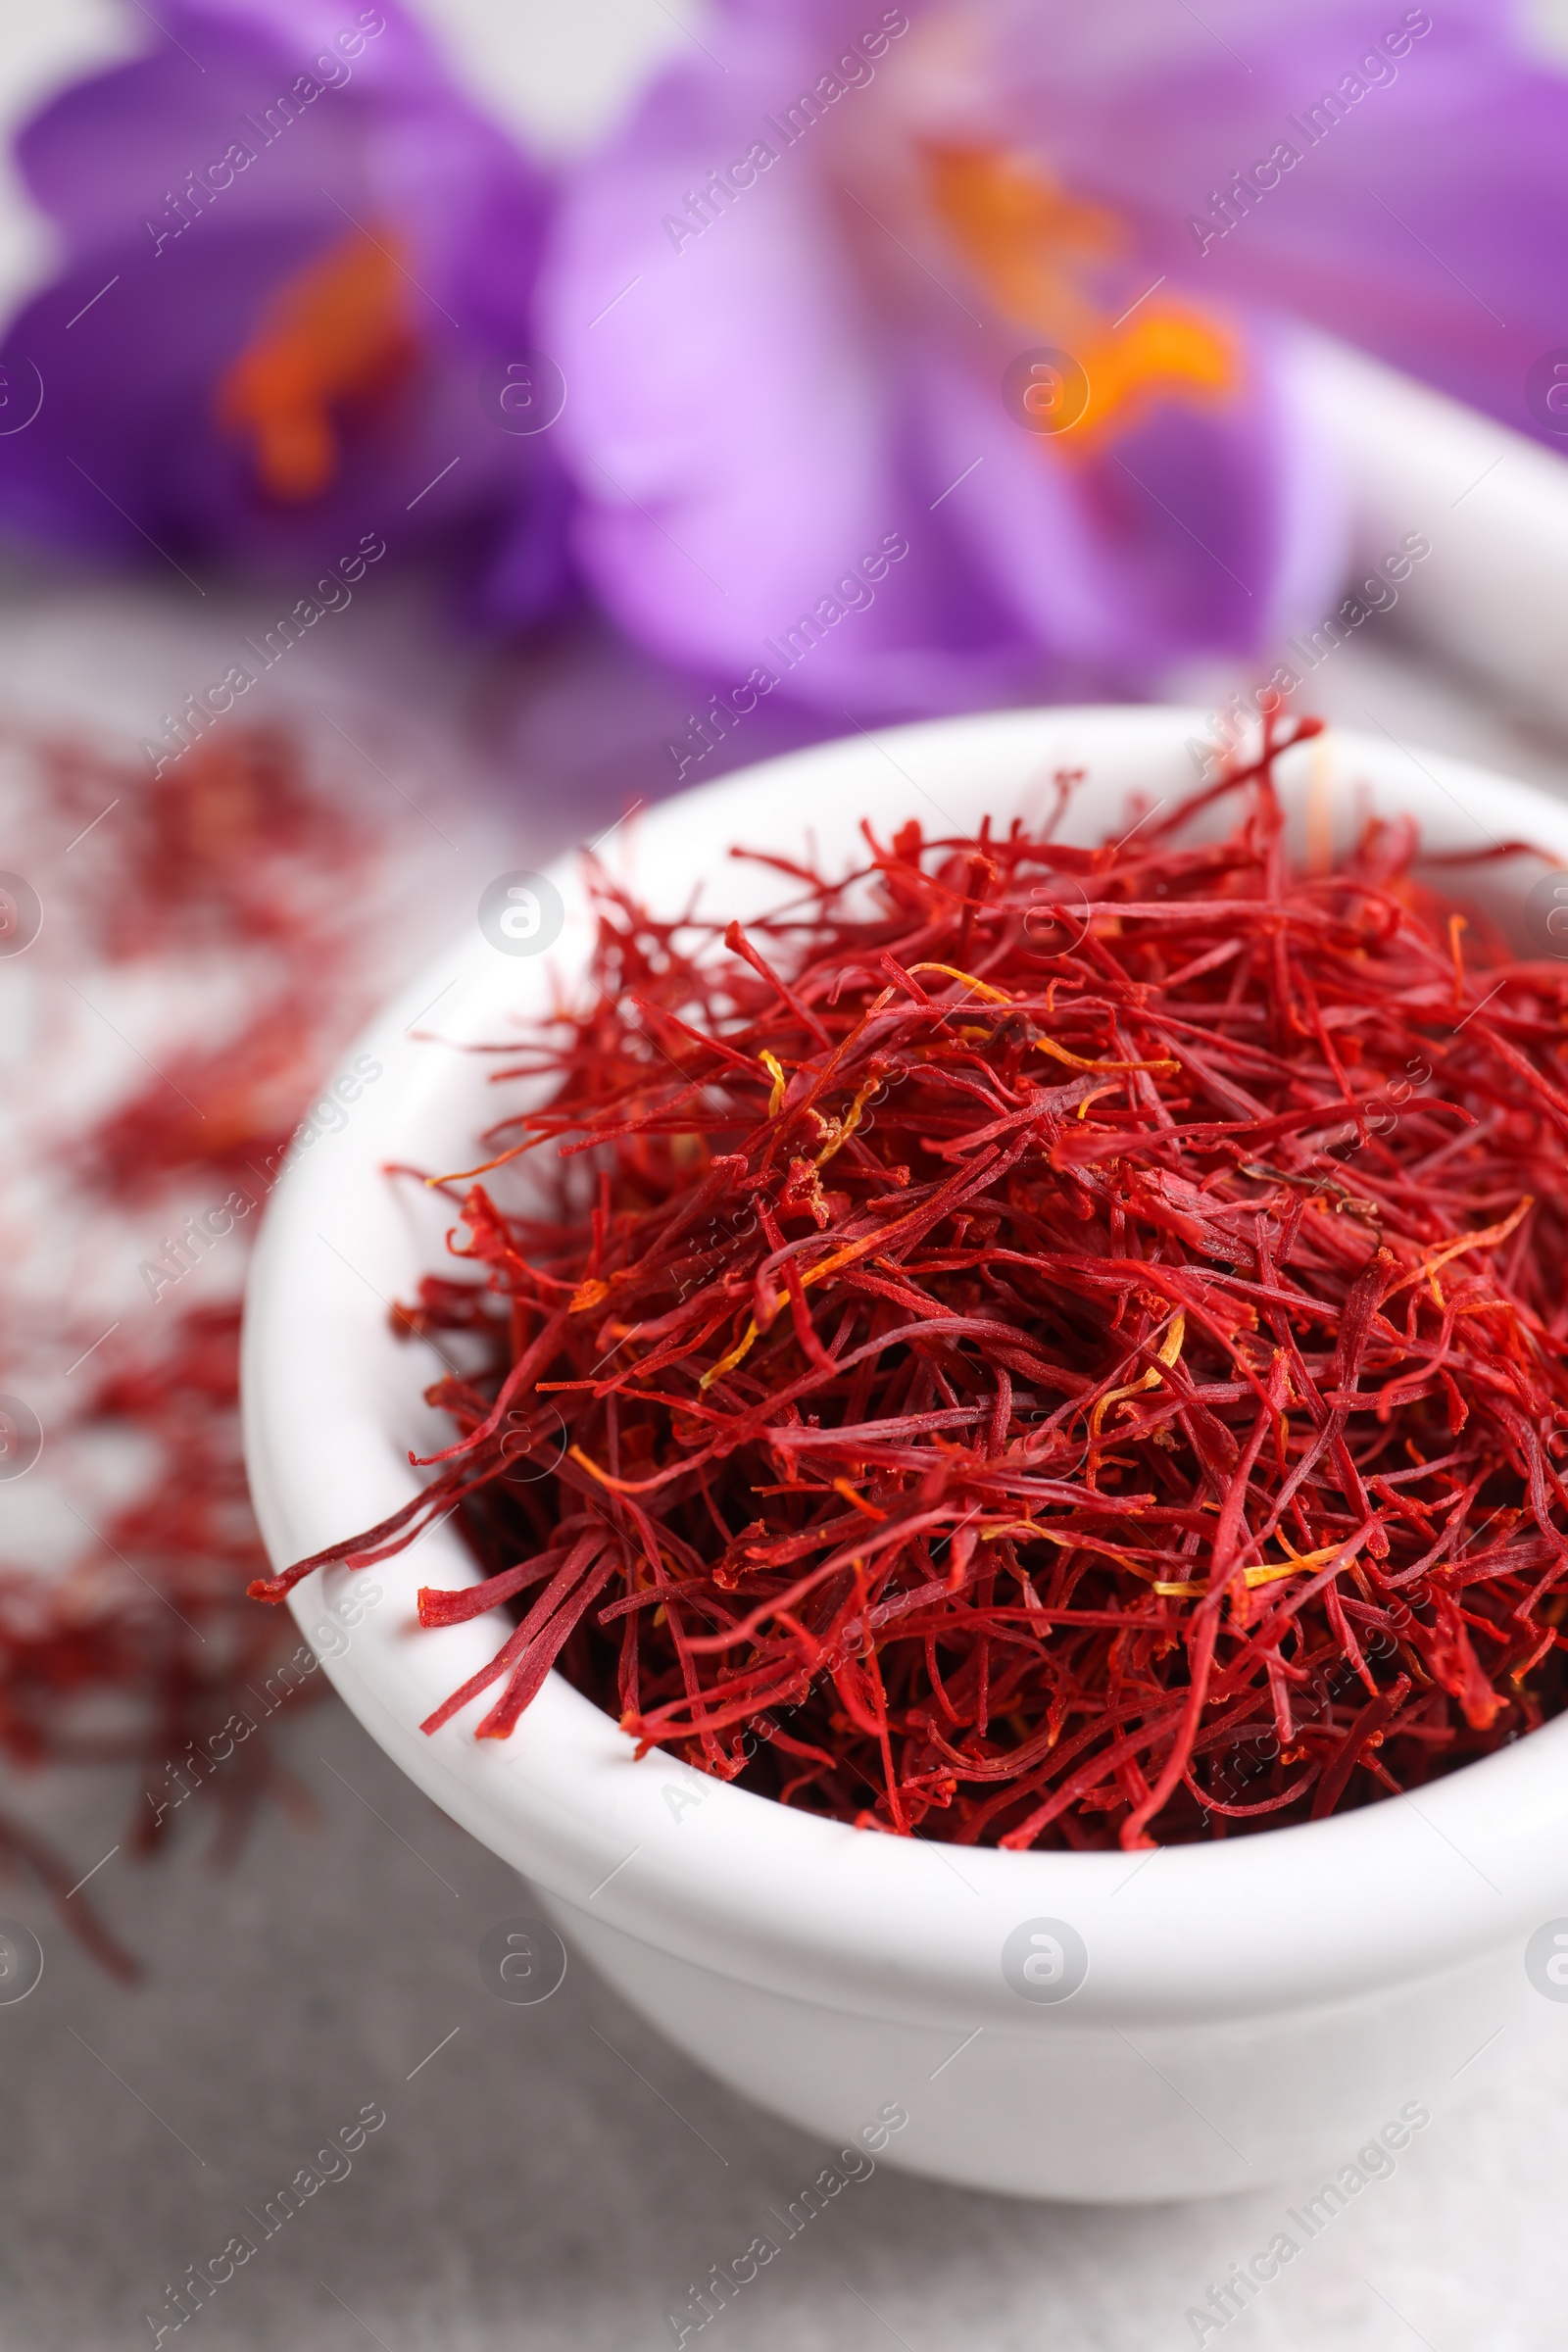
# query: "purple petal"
191,186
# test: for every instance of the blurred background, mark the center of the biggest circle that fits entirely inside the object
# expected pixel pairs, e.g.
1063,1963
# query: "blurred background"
426,434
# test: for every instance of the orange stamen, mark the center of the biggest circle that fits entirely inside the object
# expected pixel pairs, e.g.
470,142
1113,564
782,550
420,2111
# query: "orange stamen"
333,335
1032,246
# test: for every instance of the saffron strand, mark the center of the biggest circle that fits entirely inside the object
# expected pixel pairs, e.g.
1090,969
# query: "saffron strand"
1029,1395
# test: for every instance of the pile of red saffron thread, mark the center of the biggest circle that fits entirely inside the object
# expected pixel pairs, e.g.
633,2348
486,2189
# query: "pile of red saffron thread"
216,912
1029,1344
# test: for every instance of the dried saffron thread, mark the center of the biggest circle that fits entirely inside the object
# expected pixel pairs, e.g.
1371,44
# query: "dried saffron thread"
235,867
1054,1346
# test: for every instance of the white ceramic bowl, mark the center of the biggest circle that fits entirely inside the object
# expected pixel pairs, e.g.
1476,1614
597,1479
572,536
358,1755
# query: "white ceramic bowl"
1251,2007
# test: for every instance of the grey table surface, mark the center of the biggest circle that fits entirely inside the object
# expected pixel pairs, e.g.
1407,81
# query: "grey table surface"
557,2175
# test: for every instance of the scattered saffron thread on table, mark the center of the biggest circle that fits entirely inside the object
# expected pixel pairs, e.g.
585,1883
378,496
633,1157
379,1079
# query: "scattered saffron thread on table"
136,1651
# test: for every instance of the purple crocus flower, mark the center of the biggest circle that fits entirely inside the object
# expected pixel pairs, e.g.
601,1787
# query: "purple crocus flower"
298,270
922,352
